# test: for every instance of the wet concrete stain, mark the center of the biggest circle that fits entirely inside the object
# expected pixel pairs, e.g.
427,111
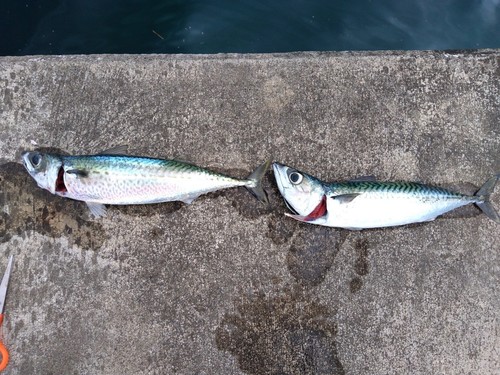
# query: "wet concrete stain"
312,253
26,208
355,284
361,265
280,229
288,334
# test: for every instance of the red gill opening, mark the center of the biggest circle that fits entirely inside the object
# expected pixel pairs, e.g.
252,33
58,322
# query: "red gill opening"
60,186
318,212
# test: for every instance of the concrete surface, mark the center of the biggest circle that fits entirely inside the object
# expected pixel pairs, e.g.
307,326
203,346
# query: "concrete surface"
230,286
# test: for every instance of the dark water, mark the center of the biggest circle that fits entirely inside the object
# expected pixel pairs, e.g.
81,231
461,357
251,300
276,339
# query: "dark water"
213,26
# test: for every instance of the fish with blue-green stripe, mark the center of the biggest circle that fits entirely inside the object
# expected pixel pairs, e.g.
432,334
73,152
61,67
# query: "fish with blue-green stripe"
367,203
113,177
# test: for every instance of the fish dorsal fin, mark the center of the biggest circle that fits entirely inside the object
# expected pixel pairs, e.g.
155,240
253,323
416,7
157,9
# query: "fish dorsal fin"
78,172
364,179
345,198
116,150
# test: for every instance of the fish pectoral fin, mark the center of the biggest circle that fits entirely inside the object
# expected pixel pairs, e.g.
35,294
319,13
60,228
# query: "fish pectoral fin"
78,172
97,209
345,198
364,179
116,150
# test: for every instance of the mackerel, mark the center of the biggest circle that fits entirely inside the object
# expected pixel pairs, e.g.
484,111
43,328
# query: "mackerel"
113,177
367,203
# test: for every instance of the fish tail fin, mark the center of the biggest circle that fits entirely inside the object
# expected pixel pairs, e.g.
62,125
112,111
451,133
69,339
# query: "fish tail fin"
484,195
255,182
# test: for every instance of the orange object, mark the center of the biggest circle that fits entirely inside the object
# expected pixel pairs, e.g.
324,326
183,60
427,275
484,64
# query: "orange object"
3,351
3,294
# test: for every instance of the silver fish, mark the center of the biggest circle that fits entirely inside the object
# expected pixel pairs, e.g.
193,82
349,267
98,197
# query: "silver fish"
115,178
366,203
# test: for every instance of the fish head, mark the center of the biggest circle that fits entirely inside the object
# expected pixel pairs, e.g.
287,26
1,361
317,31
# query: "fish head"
44,168
302,193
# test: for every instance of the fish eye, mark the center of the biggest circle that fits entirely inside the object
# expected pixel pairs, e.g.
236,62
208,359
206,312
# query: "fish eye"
295,178
36,159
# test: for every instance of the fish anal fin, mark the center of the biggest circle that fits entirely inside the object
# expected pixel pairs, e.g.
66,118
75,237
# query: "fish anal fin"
188,200
116,150
345,198
97,209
